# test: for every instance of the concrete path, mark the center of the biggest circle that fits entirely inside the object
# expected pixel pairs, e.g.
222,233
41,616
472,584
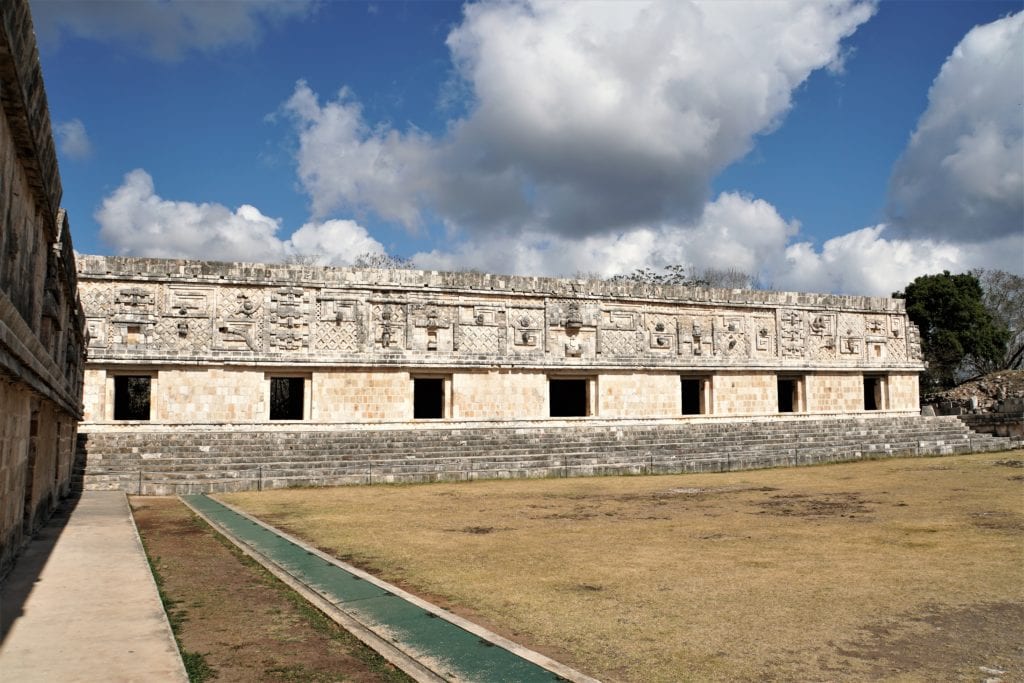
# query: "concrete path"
81,604
423,640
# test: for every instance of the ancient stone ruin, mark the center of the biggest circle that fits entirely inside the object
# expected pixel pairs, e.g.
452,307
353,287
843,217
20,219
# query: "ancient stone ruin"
41,323
218,376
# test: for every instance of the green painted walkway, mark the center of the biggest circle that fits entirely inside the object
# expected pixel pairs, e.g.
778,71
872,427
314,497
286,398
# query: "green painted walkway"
446,648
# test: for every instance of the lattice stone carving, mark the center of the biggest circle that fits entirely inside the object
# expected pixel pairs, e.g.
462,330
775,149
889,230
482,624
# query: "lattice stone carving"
851,336
792,333
189,335
338,322
240,318
240,303
337,336
619,342
96,297
481,339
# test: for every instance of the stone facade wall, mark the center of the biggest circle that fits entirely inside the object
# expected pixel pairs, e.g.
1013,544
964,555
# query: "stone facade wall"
41,321
361,336
835,393
639,393
499,395
904,391
753,394
361,396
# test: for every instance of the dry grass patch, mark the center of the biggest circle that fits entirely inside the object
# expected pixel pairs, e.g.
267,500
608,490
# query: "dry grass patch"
905,569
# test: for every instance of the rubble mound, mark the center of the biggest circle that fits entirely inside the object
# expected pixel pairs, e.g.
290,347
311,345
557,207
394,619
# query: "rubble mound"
988,394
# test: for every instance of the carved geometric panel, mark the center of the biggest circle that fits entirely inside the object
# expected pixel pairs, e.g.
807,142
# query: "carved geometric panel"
240,303
765,338
618,342
337,336
619,319
822,341
792,333
187,335
731,339
696,335
661,331
188,302
526,328
388,326
238,335
96,328
481,339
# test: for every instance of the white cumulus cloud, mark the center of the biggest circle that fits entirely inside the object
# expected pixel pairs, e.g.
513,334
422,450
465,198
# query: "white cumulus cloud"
584,118
166,29
961,177
136,221
72,140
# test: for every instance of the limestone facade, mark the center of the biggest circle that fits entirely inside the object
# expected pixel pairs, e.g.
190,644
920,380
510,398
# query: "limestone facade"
213,343
41,322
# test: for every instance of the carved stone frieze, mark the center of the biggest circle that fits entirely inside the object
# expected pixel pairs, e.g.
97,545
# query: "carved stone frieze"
730,337
661,332
792,333
697,335
96,329
189,313
526,329
289,321
389,326
189,302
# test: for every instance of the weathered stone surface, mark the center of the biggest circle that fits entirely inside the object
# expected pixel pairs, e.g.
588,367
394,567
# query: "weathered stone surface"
360,337
41,322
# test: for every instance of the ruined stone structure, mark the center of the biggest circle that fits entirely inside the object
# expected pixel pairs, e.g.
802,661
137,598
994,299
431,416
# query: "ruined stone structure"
215,376
41,323
201,342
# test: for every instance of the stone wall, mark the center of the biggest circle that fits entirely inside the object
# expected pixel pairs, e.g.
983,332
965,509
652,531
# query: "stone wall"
41,322
361,338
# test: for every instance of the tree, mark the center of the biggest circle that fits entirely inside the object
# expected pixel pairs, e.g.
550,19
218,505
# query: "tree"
955,325
670,275
1003,295
727,278
371,259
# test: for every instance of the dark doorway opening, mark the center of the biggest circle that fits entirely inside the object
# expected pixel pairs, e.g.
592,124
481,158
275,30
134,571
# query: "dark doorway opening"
691,396
286,398
568,397
427,398
131,397
871,393
787,390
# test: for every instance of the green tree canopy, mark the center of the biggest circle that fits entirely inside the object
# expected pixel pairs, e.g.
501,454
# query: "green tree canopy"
955,325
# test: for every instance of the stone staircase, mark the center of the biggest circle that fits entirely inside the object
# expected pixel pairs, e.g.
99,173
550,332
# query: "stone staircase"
155,460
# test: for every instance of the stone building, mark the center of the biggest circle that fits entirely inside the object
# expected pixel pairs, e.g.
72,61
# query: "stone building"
212,343
41,323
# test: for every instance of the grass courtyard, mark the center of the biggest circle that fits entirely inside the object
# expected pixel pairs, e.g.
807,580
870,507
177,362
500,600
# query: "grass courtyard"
905,569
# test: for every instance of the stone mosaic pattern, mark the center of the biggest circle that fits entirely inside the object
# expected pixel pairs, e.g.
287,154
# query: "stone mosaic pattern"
200,311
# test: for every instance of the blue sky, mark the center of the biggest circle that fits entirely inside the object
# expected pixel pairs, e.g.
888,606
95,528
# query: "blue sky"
814,145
